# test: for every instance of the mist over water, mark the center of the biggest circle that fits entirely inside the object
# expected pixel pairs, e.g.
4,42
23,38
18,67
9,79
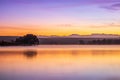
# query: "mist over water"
60,62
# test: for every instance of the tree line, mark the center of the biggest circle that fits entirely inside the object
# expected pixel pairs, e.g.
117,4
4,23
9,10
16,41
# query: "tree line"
101,41
31,39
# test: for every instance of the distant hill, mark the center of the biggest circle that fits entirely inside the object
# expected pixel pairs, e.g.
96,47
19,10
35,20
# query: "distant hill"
106,36
95,36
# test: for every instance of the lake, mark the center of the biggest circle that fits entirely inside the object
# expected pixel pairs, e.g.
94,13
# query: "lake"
60,62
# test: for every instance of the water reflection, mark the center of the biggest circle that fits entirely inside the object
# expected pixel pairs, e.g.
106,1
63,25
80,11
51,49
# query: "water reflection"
60,65
30,53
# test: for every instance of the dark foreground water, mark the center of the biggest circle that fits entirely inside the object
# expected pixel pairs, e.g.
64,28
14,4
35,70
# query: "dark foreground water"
61,62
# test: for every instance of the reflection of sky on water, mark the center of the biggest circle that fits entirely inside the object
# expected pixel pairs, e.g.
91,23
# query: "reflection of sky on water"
60,65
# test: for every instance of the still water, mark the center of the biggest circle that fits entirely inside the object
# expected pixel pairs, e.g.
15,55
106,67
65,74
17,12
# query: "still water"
60,62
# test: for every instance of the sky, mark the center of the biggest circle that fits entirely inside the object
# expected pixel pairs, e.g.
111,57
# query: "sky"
59,17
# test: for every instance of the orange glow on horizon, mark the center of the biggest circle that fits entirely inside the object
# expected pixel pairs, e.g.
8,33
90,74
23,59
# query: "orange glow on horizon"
63,30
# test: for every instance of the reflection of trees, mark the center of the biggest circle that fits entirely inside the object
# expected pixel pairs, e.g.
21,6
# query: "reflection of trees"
30,53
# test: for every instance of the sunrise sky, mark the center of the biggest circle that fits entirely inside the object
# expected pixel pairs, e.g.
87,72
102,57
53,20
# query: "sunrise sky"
59,17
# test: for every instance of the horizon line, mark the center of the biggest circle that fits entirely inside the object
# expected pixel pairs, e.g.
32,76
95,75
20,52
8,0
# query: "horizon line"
67,35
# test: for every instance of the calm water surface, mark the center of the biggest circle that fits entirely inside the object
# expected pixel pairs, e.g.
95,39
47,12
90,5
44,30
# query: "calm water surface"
60,62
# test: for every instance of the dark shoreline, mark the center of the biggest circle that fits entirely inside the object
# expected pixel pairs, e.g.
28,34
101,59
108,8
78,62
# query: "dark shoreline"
32,40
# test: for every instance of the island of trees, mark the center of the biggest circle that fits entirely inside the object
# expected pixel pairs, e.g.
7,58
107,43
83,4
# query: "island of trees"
26,40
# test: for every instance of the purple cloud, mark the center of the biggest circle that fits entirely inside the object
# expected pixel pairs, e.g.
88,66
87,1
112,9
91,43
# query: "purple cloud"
114,6
56,4
64,25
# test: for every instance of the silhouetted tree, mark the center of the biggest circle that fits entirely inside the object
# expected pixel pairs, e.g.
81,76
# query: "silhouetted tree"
28,39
